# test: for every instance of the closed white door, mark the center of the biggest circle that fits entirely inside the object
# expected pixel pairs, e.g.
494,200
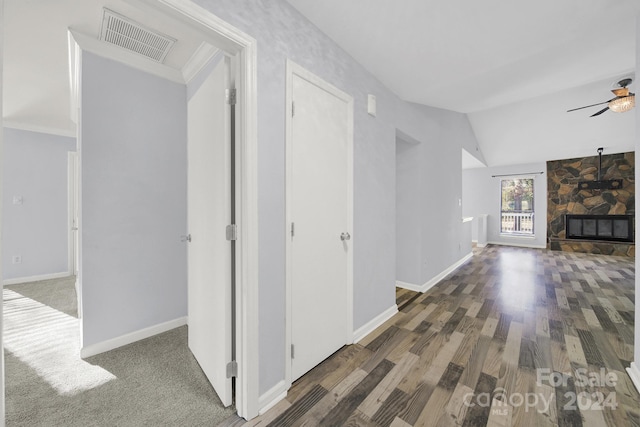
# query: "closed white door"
319,180
209,212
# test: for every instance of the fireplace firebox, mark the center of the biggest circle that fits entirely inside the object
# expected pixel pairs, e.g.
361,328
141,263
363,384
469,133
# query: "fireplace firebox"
612,228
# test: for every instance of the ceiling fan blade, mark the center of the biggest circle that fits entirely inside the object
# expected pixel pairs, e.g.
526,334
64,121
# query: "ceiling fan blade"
587,106
599,112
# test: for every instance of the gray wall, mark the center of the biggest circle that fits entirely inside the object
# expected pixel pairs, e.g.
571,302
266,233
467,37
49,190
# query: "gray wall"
35,168
283,33
133,189
443,239
482,196
408,214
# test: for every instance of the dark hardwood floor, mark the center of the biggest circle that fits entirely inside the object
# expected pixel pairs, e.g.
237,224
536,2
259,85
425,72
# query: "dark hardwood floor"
515,337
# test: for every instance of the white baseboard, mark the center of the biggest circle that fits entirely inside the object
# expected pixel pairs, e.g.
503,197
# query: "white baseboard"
518,244
431,283
30,127
101,347
272,397
634,374
409,286
370,326
437,279
38,278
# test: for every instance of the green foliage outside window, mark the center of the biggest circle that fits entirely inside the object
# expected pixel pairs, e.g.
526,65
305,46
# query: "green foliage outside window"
517,195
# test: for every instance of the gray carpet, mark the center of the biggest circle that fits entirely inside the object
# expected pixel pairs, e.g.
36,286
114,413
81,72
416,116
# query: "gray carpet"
59,294
153,382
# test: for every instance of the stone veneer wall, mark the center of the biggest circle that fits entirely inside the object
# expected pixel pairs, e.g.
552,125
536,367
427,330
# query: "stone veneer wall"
564,197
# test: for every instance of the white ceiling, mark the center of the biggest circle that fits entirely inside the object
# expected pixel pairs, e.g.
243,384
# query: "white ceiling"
36,59
540,129
485,57
514,66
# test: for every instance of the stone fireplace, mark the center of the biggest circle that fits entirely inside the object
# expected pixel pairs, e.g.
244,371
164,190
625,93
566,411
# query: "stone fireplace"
591,219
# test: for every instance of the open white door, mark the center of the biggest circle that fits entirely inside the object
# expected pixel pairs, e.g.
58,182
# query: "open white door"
73,194
209,212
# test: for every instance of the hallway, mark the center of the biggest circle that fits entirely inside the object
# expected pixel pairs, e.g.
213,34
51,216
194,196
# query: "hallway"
487,346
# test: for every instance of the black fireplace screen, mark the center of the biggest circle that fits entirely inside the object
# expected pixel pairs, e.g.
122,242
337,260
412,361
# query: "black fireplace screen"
617,228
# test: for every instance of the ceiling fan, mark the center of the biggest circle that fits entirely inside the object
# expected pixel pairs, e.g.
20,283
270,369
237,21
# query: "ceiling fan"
624,100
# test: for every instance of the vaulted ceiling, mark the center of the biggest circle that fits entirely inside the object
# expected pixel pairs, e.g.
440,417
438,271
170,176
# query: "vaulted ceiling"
514,67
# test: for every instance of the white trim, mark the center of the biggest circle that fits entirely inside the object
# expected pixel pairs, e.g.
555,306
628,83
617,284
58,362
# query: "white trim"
272,397
435,280
72,205
521,236
409,286
70,210
30,127
113,343
431,283
75,83
243,49
198,61
374,323
291,69
517,244
110,51
38,278
634,374
75,75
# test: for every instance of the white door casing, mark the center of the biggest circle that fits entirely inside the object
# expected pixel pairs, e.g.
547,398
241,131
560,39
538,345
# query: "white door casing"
319,194
243,50
72,211
73,207
209,212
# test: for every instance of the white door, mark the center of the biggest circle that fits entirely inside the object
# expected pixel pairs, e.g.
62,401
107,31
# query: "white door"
73,195
209,212
319,180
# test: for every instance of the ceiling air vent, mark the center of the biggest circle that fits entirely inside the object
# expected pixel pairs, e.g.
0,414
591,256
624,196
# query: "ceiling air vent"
123,32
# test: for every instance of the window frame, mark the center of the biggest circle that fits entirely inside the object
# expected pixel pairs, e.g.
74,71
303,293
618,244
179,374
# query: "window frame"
520,234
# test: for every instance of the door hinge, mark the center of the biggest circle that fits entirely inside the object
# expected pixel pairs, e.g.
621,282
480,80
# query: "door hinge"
232,96
292,351
232,232
232,369
293,108
186,238
293,229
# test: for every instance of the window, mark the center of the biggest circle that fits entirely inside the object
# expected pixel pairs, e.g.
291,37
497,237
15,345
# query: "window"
517,206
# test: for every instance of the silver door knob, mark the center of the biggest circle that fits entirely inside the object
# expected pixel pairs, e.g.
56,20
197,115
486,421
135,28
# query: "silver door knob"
345,236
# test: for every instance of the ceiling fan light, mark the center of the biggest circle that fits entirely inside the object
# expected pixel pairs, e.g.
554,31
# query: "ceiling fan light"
620,105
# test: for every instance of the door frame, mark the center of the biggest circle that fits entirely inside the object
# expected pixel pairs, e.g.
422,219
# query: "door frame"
72,204
244,50
294,69
73,221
